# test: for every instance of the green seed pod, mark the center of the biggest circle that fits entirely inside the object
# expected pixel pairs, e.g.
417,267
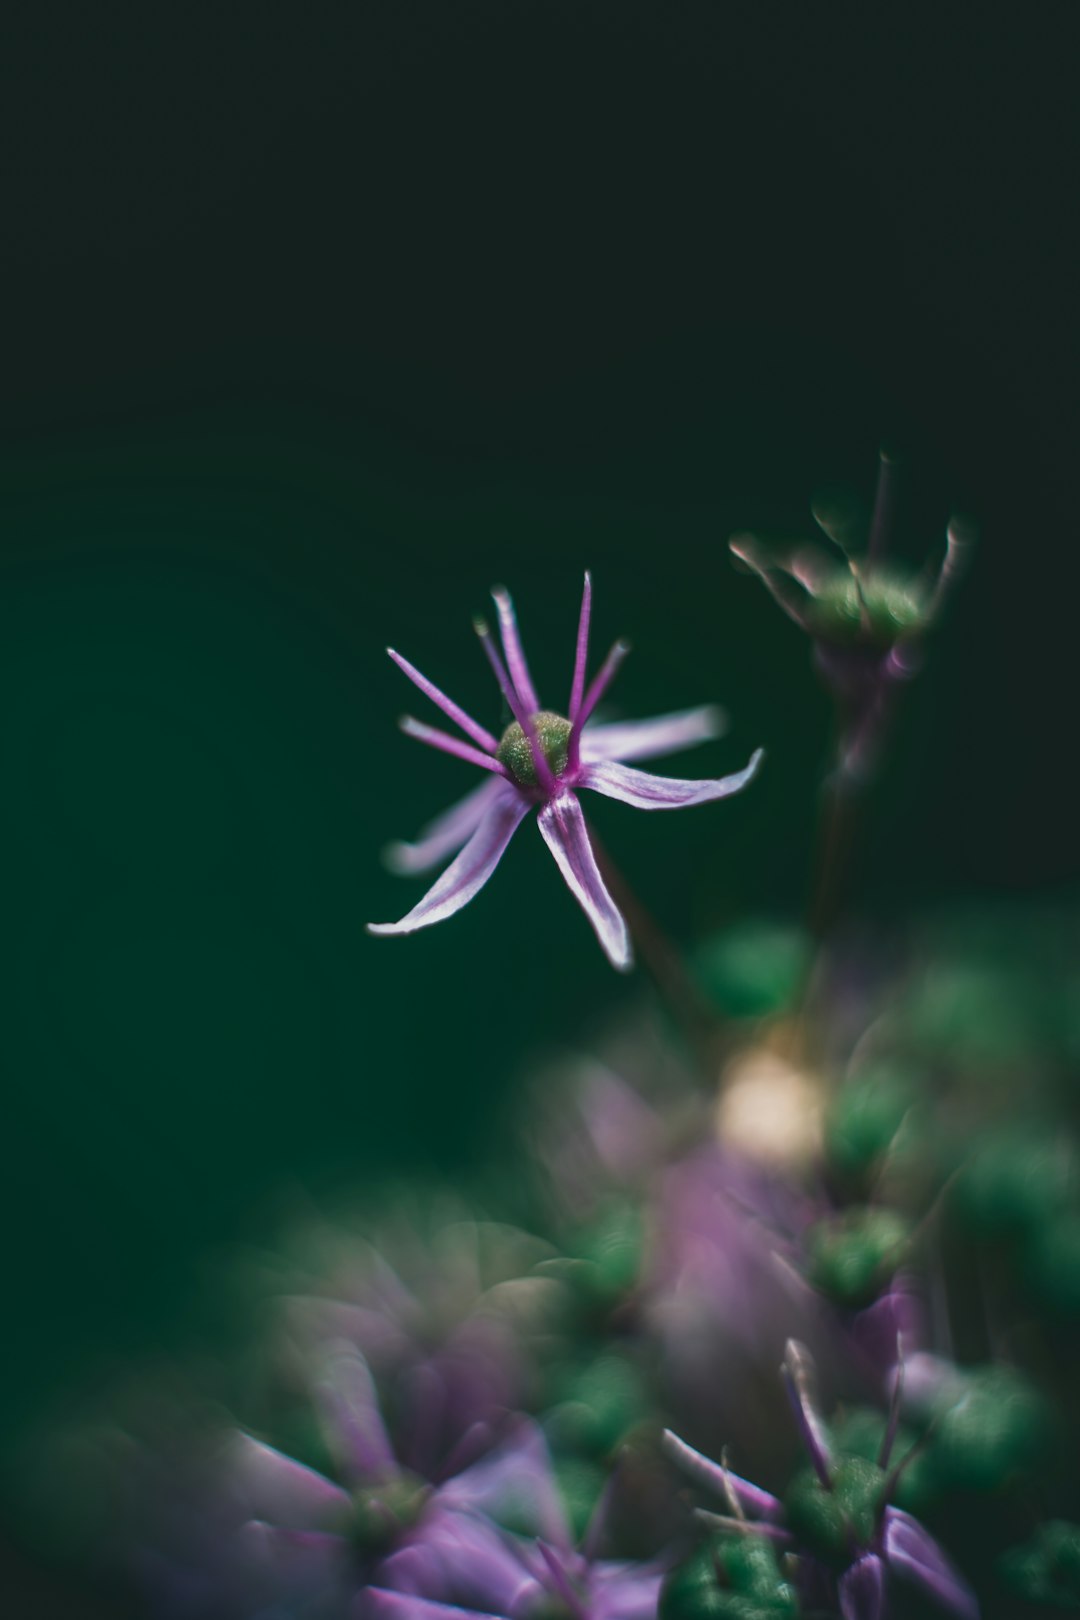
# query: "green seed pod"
853,1255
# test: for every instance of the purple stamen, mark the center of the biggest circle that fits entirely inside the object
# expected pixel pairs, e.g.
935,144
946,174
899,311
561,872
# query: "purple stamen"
452,710
600,683
450,745
517,708
581,656
515,654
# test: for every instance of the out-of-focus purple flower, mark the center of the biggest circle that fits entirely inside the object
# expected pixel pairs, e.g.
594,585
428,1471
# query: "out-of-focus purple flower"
445,1308
539,764
722,1287
836,1517
299,1537
469,1563
866,617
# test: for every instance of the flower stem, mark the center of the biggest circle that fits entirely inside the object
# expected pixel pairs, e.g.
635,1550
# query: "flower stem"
664,964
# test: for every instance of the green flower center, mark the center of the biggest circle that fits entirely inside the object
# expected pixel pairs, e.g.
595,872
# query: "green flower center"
834,1523
380,1512
553,735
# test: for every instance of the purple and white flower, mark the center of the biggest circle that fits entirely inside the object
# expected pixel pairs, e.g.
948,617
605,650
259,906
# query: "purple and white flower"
539,764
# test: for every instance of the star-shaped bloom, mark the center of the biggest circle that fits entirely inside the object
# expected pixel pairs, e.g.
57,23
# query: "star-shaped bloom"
539,764
297,1536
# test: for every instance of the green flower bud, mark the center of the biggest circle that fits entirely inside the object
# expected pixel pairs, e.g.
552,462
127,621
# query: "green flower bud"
877,610
853,1256
597,1404
753,970
831,1522
864,1117
993,1429
515,752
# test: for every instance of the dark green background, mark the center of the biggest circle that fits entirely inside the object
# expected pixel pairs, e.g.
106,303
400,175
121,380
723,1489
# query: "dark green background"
316,323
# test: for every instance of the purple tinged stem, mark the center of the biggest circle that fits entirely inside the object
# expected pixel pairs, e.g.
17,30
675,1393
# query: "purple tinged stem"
515,653
581,655
517,708
452,710
450,745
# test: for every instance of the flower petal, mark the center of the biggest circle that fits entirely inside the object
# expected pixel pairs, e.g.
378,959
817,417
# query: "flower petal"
446,833
479,734
862,1589
349,1416
459,1558
913,1552
644,739
562,826
581,652
467,875
647,792
515,653
275,1487
446,744
515,1483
